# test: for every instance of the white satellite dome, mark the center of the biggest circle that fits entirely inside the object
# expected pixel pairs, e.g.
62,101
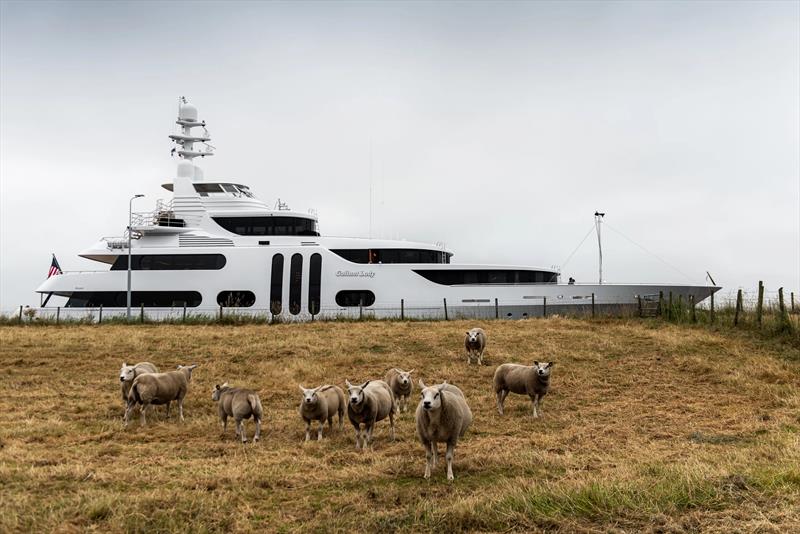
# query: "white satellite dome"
187,112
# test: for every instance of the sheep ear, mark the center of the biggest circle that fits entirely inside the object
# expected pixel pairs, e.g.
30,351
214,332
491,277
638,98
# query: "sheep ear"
365,384
193,366
535,363
551,364
411,371
225,385
216,386
124,364
467,332
347,382
301,388
396,370
422,384
179,367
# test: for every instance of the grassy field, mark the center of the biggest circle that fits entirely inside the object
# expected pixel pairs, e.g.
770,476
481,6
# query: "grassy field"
648,427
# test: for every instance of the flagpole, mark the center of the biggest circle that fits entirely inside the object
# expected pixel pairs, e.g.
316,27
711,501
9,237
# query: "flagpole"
130,223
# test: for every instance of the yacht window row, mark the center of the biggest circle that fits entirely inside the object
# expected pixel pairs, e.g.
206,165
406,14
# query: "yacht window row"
119,299
452,277
276,225
393,255
170,262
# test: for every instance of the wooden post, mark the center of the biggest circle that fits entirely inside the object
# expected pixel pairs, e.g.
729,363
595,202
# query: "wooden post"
782,306
792,301
141,313
669,310
58,314
638,300
360,308
497,307
661,303
711,315
544,306
680,307
738,307
402,309
760,305
100,316
593,312
694,314
184,312
445,309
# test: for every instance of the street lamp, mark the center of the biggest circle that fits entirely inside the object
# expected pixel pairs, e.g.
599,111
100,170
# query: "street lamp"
130,223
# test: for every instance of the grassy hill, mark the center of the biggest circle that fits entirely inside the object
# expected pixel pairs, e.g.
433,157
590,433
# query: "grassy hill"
648,426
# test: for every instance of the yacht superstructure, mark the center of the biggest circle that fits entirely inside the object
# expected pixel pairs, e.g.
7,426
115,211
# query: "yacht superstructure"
215,244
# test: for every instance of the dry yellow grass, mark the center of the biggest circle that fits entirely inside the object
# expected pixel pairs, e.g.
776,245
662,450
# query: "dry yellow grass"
648,427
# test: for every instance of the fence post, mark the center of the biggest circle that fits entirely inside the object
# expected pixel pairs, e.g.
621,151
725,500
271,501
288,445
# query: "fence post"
639,301
220,313
141,313
694,314
445,309
760,305
711,315
781,304
680,307
20,314
497,307
58,313
100,315
669,310
738,307
593,312
184,312
792,301
402,309
360,309
544,306
661,303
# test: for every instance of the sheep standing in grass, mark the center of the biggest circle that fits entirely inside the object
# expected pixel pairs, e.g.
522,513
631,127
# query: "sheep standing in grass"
159,388
128,373
532,381
321,404
443,415
402,386
369,403
240,404
475,343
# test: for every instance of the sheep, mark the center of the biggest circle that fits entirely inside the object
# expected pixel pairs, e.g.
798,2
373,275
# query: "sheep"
402,386
533,381
321,404
475,343
159,388
240,404
129,372
369,403
443,415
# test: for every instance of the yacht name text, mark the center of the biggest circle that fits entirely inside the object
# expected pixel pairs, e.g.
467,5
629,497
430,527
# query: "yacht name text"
357,274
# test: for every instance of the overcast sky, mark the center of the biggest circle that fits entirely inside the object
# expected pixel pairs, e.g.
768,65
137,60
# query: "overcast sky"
497,128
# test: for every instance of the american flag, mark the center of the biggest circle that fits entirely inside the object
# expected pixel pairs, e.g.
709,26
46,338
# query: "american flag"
55,268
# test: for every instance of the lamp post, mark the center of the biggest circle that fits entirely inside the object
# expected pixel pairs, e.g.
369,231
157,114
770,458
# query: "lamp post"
130,223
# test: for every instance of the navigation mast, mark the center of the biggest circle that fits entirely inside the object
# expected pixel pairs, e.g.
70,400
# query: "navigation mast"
598,219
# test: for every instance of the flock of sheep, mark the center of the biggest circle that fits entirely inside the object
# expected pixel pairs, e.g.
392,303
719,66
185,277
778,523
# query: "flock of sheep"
442,415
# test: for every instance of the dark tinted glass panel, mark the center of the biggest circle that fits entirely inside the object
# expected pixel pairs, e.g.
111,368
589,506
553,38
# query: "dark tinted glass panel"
314,283
355,298
236,299
276,285
118,299
487,276
268,225
295,283
393,255
170,262
205,189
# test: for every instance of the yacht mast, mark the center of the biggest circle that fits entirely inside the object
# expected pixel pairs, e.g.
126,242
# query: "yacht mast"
598,219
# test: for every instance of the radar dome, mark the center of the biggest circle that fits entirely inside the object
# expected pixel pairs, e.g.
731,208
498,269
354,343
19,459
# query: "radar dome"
187,112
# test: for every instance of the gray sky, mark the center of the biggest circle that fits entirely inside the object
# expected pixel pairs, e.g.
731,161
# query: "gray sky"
496,128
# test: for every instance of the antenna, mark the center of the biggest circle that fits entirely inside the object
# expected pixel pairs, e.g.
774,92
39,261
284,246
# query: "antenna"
370,188
598,219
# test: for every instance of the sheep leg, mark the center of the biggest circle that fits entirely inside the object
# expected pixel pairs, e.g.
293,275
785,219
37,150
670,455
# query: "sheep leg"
330,422
539,403
449,457
469,357
341,421
435,452
480,357
358,436
501,398
180,408
391,425
308,429
240,428
258,430
319,431
168,403
535,401
224,418
428,458
142,411
128,410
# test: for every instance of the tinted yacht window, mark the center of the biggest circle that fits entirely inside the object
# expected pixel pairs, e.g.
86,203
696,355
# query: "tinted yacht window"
118,299
355,298
451,277
393,255
170,262
314,283
295,283
276,285
236,299
277,225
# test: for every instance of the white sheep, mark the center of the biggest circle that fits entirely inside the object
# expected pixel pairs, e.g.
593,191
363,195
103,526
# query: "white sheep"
533,381
240,404
402,386
128,373
369,403
321,404
159,388
443,415
475,344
